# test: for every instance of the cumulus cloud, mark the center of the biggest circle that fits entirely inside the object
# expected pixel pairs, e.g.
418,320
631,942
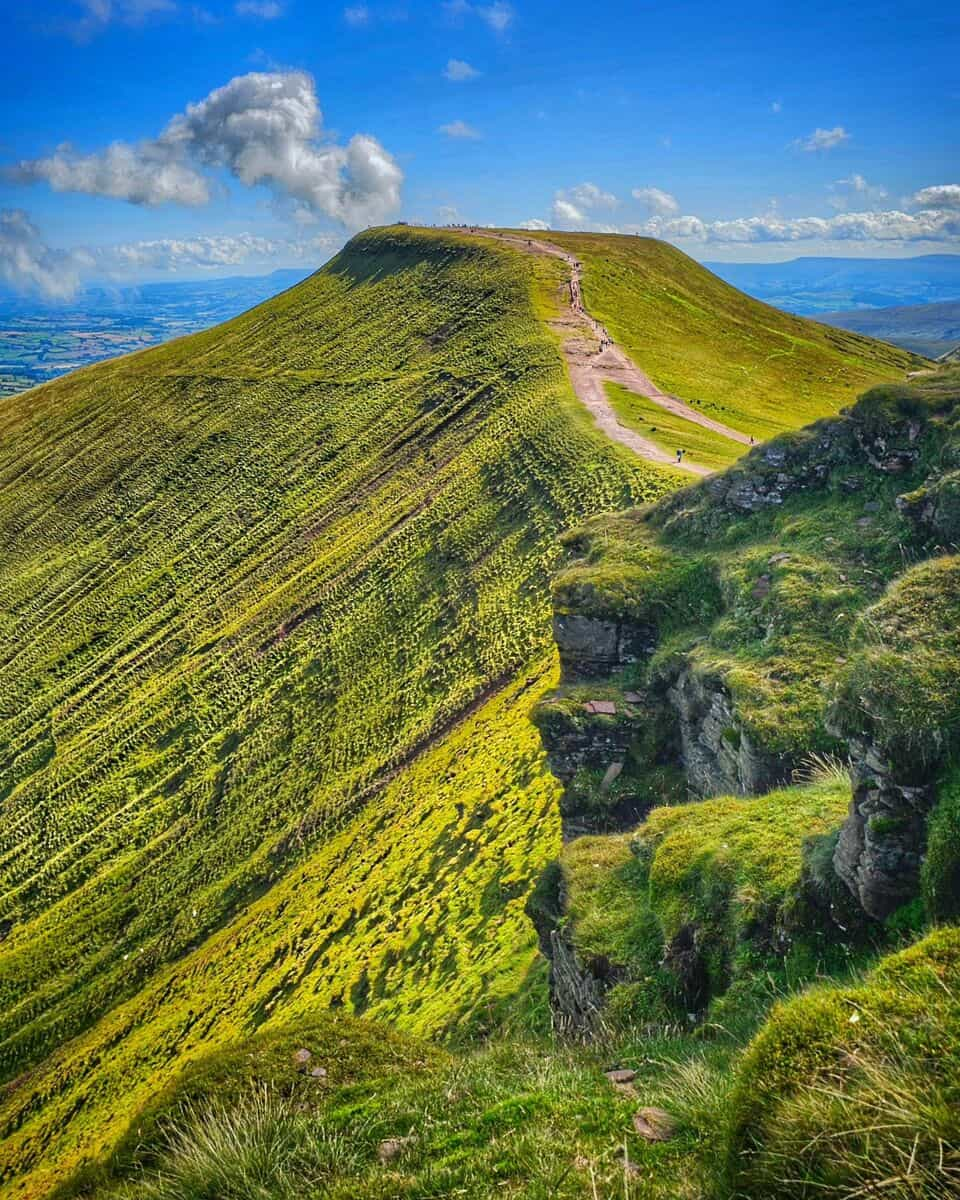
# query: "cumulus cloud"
571,206
458,71
535,223
941,195
588,195
459,129
658,203
823,139
565,213
143,174
263,128
28,264
260,10
888,226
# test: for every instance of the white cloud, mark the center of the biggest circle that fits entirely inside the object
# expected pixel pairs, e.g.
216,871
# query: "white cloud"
458,71
498,16
28,264
97,15
565,213
535,223
887,226
263,128
177,254
855,188
658,203
357,14
572,205
459,129
588,195
776,106
823,139
143,174
941,195
261,10
448,214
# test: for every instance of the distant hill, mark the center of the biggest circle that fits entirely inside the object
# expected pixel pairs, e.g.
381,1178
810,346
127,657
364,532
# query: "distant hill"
929,329
817,285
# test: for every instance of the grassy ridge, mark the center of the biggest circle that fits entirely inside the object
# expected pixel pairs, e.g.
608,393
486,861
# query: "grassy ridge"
273,611
741,362
248,578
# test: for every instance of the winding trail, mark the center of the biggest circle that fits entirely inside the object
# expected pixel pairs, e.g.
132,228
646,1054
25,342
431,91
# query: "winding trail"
595,359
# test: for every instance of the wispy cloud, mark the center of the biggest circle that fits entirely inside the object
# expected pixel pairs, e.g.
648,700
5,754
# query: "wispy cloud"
498,16
97,15
461,130
776,106
657,202
263,128
260,10
823,139
855,190
356,15
458,71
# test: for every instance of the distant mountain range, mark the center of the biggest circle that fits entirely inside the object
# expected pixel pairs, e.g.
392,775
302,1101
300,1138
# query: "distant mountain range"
813,286
930,329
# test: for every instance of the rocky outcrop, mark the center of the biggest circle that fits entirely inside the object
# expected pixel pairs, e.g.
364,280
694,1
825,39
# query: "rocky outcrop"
593,647
885,435
717,754
934,510
880,850
576,990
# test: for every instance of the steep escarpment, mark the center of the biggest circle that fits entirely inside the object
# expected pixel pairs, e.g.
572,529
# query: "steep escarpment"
783,623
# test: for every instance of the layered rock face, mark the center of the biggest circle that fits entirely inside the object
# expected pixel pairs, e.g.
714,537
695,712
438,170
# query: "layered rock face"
594,648
718,754
881,846
717,642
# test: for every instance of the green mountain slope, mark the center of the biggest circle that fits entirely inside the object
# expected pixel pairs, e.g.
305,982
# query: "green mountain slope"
750,366
274,609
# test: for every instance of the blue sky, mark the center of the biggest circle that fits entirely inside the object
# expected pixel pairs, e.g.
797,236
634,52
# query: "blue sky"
750,131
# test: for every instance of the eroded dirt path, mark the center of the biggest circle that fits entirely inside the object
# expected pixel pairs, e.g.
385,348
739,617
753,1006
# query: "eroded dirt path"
593,359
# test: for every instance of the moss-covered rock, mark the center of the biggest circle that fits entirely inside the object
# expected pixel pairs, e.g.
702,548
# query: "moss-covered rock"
666,917
854,1091
898,703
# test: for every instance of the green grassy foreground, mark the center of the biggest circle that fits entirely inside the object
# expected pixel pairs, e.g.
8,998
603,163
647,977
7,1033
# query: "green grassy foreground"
274,609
